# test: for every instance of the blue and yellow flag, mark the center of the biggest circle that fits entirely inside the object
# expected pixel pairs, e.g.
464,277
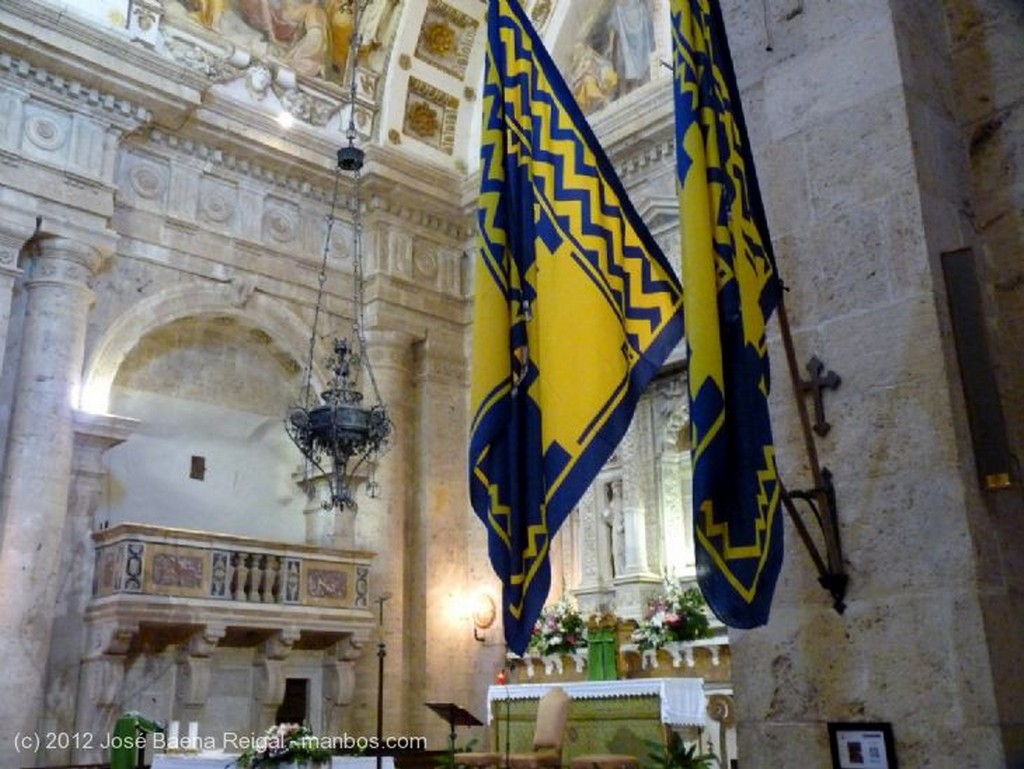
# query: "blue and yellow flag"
576,310
731,290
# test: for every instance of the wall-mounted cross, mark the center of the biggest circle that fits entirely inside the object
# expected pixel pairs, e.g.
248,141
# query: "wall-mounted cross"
818,382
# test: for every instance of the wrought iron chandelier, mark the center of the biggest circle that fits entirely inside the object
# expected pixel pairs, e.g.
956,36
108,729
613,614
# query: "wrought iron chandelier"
339,433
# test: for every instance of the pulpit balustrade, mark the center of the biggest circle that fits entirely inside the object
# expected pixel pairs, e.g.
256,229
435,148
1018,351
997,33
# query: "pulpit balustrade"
135,559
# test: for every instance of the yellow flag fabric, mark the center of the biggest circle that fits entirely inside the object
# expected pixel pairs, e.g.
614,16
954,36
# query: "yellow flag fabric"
731,290
576,309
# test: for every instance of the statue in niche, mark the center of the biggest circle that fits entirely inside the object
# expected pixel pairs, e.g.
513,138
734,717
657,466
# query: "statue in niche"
615,526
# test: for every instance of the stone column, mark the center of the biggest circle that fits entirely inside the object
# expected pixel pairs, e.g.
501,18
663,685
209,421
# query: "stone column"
594,592
325,526
637,505
100,683
10,247
636,501
94,435
438,537
381,527
37,471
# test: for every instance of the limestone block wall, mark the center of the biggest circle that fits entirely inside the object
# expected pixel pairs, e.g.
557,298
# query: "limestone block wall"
863,170
987,87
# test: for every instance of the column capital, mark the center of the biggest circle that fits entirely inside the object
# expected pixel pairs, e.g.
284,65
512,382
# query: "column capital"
63,260
12,241
390,348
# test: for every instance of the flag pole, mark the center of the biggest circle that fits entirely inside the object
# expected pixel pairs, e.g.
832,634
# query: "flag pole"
821,498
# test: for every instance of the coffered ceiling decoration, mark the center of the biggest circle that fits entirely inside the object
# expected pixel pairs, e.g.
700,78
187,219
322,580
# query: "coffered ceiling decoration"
446,38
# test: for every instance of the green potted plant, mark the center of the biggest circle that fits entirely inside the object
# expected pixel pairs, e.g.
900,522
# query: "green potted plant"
676,754
446,760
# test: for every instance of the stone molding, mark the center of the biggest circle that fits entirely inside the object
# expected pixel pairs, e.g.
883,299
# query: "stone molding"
169,147
74,93
202,190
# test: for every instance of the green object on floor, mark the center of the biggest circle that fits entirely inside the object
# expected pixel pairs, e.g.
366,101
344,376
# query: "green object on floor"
128,737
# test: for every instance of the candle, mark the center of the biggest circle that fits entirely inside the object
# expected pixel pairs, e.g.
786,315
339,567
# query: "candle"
172,735
193,735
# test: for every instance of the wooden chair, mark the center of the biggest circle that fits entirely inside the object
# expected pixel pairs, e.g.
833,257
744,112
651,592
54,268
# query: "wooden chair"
548,738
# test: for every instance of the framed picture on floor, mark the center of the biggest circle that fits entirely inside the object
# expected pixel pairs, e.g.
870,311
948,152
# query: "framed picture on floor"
862,745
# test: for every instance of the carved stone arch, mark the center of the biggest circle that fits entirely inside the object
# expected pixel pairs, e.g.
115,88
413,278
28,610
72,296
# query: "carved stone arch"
286,329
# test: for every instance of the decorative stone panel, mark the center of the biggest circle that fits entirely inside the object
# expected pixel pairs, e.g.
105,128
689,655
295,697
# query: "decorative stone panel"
152,561
431,115
446,38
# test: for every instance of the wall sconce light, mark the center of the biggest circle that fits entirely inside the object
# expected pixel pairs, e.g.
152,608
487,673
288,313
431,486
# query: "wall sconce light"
483,612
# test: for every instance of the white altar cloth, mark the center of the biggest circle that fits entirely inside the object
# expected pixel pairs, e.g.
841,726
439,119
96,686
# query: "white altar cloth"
682,699
225,760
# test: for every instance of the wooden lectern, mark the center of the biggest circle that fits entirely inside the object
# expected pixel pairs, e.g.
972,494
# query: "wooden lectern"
455,716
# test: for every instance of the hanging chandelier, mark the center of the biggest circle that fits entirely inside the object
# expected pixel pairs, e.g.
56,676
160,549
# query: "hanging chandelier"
338,433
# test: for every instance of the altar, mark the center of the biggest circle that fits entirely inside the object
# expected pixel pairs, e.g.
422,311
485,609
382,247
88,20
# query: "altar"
621,717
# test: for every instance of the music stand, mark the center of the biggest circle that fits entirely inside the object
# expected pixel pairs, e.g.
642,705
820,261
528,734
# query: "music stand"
455,716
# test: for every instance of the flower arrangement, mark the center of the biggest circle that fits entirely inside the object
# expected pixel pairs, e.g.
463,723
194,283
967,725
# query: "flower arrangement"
678,614
284,744
560,629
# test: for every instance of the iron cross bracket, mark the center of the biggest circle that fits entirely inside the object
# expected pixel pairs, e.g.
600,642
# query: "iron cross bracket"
820,380
822,503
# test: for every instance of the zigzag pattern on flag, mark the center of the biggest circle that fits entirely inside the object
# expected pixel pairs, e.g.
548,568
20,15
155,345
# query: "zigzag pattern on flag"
731,290
582,207
576,309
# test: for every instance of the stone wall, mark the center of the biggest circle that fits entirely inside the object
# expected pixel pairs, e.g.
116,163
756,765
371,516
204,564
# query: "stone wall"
864,163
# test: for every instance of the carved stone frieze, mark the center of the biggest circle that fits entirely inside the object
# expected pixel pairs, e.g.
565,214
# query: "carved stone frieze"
201,57
315,111
399,253
404,207
671,410
147,179
217,201
84,98
280,221
251,76
653,155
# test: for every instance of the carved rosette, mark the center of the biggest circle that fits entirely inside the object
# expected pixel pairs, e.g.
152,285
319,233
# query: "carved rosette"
446,38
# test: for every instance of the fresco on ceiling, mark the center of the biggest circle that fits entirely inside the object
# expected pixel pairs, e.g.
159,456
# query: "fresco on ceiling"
612,54
311,37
